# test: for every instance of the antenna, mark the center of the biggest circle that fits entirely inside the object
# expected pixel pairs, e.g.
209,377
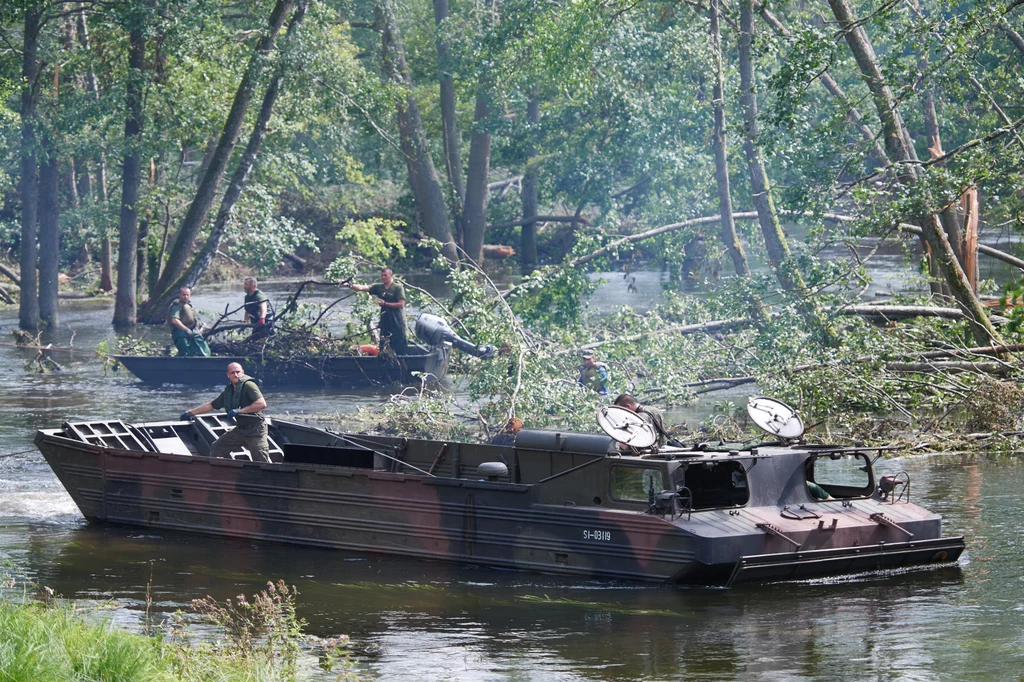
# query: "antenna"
775,417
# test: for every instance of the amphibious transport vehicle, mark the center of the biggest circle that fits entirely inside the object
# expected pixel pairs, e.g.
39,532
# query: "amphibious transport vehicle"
607,506
428,361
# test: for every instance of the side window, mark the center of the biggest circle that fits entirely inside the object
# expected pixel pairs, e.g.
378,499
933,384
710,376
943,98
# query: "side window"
633,484
714,485
841,474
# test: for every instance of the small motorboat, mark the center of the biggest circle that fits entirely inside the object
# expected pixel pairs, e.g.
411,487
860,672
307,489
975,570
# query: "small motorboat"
609,505
428,362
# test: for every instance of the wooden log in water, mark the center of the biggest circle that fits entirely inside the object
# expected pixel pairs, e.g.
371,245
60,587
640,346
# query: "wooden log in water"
498,251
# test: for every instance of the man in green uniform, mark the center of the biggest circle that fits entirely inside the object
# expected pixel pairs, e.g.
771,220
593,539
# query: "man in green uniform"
243,402
184,325
593,374
256,303
390,297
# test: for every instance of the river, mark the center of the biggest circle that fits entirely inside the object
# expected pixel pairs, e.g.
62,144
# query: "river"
413,620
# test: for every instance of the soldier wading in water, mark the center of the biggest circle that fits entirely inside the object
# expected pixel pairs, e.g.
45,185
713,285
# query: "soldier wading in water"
186,332
243,402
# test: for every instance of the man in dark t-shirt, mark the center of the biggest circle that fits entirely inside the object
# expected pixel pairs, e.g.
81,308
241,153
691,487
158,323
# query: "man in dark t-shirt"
243,401
390,297
256,304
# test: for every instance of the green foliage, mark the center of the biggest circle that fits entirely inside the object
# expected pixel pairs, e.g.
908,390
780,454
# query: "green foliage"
126,345
375,239
261,236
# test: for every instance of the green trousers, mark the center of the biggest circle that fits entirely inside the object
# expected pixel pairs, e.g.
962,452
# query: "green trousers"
194,345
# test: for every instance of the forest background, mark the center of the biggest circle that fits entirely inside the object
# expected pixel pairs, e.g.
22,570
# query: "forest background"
145,143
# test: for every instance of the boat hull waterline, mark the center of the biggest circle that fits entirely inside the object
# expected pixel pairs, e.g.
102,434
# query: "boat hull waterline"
553,510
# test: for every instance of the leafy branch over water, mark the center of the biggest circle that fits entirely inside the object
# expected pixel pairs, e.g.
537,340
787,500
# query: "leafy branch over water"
917,378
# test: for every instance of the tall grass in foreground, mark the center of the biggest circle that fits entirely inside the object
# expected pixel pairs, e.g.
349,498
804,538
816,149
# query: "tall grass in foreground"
51,643
259,640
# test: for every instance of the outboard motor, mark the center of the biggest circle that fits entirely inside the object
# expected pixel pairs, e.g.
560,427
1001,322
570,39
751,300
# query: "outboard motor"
434,331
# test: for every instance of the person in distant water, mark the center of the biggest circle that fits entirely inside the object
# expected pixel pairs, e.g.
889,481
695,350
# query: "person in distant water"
390,297
256,308
185,328
593,374
243,402
507,435
651,415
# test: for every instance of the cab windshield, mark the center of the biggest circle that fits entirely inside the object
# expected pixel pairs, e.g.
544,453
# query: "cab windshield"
841,474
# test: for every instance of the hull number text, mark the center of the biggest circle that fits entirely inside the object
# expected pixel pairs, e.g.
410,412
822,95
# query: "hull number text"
605,535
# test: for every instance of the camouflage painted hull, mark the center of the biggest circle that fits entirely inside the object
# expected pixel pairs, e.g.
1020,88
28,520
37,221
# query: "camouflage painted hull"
553,502
331,372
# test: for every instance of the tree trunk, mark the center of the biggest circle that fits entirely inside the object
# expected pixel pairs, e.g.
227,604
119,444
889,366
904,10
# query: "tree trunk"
49,234
775,240
142,260
896,137
728,233
449,120
28,306
1015,38
207,190
476,184
530,191
131,168
85,190
949,218
426,185
201,263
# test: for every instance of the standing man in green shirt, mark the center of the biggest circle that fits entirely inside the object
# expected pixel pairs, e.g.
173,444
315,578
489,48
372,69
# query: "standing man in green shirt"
184,323
390,297
243,402
256,303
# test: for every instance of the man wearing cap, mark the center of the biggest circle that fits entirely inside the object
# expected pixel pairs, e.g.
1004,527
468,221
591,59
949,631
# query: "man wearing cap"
593,374
651,415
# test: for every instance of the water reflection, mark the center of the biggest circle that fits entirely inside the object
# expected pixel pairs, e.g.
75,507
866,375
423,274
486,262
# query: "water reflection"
433,621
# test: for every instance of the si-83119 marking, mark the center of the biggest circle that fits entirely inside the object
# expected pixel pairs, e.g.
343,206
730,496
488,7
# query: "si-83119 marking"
605,535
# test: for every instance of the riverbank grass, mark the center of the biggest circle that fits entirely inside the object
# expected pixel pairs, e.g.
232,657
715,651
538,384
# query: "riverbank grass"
54,643
260,640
